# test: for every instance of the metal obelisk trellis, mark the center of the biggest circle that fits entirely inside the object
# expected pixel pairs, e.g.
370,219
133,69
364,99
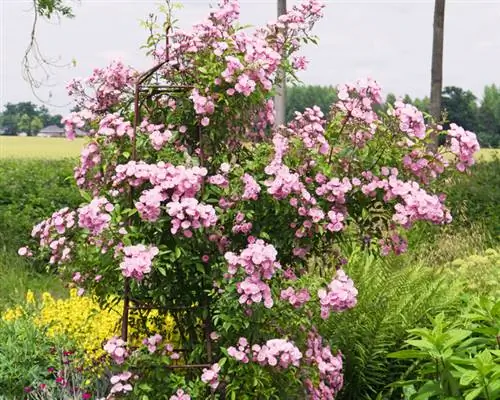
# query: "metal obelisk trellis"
149,91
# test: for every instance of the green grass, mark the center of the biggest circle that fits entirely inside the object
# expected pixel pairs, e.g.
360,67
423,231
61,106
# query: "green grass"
18,277
13,147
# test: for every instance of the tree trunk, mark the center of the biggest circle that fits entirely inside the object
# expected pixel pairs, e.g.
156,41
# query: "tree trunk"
437,60
280,98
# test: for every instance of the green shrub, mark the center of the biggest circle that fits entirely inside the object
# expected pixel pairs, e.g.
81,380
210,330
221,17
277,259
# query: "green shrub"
455,358
475,198
481,272
25,355
30,190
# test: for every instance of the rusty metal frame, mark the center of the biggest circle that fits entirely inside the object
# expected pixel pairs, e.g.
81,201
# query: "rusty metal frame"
128,302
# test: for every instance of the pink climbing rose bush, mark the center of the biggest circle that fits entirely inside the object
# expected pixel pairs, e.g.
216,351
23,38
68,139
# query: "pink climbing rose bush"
197,206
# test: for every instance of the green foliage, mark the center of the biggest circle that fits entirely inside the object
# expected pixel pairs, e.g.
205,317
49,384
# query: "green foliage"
29,191
24,123
460,107
18,277
475,198
393,297
489,117
422,104
435,247
480,272
36,124
301,97
51,8
455,359
25,355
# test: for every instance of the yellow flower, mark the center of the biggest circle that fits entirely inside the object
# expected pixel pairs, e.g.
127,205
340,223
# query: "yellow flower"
83,321
30,297
13,313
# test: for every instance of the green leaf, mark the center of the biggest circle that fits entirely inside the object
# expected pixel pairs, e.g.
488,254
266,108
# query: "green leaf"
406,354
428,390
468,377
200,268
145,387
473,394
485,357
421,344
178,252
455,336
85,196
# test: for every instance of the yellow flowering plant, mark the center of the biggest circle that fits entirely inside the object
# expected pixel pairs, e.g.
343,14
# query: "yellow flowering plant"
86,323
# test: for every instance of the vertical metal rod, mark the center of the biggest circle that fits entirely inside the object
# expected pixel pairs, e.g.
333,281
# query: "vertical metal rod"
126,308
126,289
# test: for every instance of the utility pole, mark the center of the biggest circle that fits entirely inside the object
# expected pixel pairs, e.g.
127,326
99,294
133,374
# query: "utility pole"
437,59
280,98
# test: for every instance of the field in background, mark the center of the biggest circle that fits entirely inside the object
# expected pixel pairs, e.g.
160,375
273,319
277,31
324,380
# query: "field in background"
39,147
488,154
57,148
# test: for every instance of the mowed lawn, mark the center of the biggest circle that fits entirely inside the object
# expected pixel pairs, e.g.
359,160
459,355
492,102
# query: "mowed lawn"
39,147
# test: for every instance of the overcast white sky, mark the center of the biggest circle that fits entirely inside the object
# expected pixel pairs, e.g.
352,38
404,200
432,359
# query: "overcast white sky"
389,40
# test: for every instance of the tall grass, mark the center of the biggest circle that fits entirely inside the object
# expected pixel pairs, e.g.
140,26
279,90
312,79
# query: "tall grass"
18,277
475,199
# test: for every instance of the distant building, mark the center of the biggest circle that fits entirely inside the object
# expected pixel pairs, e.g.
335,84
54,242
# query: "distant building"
52,131
22,134
2,131
55,131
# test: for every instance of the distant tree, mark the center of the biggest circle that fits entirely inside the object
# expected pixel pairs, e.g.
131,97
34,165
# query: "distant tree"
24,107
54,120
24,124
489,117
301,97
423,104
9,123
391,98
407,99
19,117
36,125
460,107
